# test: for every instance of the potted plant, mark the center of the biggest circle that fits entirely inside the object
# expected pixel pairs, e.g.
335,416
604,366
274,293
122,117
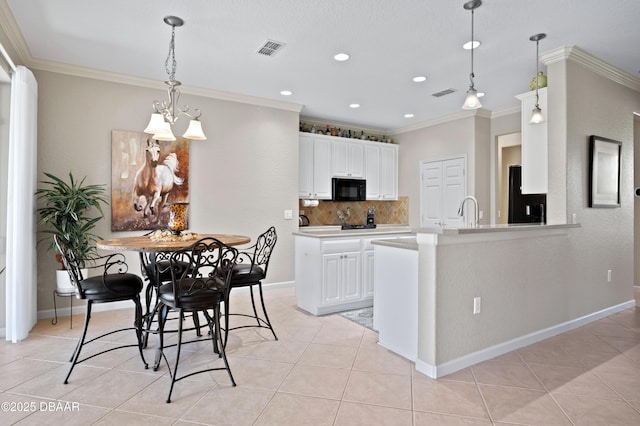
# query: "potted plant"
71,210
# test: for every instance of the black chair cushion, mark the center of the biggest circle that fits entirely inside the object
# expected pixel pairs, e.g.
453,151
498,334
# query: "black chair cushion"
121,287
246,275
191,295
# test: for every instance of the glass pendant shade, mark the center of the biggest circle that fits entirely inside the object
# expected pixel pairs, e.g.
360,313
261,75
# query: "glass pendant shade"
194,131
164,133
536,115
472,101
155,124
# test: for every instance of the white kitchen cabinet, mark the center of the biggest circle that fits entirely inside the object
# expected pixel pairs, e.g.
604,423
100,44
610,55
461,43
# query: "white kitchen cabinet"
381,171
389,172
340,278
372,171
314,167
367,272
347,158
535,176
305,167
322,157
335,274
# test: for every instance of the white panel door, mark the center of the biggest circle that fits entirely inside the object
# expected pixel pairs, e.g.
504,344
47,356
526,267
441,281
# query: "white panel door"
443,186
453,176
431,194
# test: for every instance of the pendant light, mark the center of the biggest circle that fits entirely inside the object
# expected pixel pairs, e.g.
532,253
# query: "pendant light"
536,113
472,101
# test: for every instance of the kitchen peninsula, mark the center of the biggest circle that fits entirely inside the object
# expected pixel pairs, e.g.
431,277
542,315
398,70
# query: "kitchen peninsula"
451,298
334,268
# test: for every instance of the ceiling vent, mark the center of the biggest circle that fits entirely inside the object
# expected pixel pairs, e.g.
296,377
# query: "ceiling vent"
443,92
270,47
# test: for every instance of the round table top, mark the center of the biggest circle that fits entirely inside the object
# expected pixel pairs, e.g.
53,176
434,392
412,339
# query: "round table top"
145,243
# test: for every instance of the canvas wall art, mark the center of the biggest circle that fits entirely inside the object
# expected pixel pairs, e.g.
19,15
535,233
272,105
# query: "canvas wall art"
146,177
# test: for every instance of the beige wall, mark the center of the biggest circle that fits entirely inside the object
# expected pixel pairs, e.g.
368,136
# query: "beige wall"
241,179
606,241
440,141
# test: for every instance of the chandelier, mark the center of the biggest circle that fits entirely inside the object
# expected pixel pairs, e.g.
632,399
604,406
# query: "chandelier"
167,112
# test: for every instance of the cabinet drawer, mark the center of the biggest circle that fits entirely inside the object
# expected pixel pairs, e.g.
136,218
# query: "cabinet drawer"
340,246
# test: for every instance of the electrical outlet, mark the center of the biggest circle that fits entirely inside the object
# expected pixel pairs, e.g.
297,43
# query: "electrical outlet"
480,215
288,214
609,275
476,305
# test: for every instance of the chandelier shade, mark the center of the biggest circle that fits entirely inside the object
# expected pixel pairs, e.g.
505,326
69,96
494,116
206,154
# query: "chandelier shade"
472,101
167,112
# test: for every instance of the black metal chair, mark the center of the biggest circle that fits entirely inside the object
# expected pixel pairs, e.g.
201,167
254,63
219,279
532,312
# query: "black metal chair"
115,284
201,287
155,270
249,271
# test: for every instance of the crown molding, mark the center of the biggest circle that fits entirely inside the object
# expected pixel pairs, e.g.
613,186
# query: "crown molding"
93,73
506,111
17,46
482,113
598,66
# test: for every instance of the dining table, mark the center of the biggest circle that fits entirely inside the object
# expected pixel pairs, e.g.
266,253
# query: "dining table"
151,245
166,242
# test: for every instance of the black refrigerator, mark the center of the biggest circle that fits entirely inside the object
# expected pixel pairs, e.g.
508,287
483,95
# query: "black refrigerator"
524,208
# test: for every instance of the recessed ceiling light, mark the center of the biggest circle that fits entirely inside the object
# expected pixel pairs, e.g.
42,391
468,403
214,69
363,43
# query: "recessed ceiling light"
341,57
408,116
354,106
471,45
286,93
419,78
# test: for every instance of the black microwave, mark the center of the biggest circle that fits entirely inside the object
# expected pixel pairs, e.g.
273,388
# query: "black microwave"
348,189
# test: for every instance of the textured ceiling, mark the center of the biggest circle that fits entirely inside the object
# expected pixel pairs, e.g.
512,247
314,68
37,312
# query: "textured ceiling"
390,42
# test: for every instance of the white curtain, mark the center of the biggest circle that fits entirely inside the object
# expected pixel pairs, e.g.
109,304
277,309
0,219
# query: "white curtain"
21,272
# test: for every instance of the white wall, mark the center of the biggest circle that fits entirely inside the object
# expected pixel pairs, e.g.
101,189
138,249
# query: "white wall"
5,100
241,179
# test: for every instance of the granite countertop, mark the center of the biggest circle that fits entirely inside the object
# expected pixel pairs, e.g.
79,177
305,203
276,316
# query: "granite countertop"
336,231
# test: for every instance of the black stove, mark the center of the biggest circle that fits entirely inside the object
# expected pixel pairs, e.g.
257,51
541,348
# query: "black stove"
364,226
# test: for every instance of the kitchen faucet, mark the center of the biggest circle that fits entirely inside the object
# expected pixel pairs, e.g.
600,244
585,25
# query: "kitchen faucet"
475,203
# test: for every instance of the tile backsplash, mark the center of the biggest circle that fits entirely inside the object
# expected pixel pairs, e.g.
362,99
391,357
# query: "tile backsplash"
386,212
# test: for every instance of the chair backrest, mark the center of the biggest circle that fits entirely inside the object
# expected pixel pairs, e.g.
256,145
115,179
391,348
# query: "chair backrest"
210,266
70,261
148,260
264,248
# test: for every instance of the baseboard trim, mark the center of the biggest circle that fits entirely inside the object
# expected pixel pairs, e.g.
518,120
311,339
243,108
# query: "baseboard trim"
101,307
441,370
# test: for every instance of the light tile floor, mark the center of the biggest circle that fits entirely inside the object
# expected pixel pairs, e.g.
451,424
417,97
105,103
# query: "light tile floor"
323,371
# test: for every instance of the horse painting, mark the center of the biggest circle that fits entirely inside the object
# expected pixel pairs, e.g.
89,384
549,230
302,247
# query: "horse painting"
154,181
